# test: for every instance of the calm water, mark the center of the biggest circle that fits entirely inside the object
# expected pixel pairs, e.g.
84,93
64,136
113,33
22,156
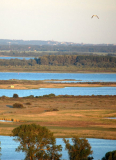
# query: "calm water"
27,58
83,77
5,121
99,147
111,117
60,91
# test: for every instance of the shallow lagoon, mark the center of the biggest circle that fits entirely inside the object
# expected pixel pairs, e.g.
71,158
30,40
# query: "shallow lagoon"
83,77
60,91
99,147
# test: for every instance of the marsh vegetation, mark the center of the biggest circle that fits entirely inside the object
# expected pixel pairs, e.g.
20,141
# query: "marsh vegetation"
35,84
65,116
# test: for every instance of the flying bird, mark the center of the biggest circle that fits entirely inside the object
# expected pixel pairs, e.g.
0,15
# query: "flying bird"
95,16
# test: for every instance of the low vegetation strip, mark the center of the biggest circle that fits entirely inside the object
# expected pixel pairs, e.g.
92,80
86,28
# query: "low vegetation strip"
57,69
35,84
65,116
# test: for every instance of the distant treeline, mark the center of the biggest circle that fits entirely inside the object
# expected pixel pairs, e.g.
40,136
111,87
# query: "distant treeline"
41,53
64,60
61,48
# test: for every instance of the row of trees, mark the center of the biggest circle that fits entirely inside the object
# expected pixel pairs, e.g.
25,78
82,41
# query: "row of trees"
75,60
41,53
63,48
32,53
64,60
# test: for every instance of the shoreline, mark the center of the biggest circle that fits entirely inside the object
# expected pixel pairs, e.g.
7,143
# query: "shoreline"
65,137
57,71
37,84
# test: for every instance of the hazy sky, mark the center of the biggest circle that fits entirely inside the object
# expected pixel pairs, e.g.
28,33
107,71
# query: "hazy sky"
59,20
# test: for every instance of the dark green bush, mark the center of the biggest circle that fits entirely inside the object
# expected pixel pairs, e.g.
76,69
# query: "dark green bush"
15,96
28,103
55,109
49,95
50,110
18,105
5,97
31,96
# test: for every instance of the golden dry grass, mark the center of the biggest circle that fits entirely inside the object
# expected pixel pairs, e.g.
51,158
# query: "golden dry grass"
29,84
85,116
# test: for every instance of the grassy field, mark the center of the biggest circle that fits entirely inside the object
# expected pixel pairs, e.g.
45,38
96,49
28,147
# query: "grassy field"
65,116
57,69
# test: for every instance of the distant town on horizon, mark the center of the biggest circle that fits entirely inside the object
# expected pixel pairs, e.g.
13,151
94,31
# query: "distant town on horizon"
43,42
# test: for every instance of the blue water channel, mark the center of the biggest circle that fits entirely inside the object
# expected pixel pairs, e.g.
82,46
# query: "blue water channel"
21,58
60,91
99,147
80,77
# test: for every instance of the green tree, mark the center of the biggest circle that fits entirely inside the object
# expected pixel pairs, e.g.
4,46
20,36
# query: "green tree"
79,150
37,142
110,156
